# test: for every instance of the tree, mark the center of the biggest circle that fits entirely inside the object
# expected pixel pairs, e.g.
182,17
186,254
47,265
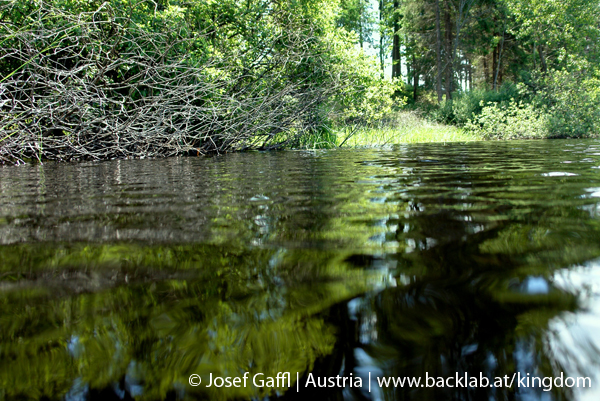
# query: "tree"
396,59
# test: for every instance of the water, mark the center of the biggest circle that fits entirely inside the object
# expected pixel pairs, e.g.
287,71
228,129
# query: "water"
120,279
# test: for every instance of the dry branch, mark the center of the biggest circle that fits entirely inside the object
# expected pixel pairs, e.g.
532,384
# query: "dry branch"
97,86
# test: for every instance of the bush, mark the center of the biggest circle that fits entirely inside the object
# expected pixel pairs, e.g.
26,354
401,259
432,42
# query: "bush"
573,102
515,120
465,105
556,104
113,80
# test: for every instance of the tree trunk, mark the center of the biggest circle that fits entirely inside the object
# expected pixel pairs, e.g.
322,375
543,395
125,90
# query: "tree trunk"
463,76
470,76
543,59
500,51
415,77
361,37
396,66
449,61
500,79
381,53
486,70
438,51
494,66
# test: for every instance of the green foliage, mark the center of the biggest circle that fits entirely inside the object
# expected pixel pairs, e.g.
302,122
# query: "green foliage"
565,29
238,74
573,102
461,109
161,313
369,97
401,127
165,78
557,104
323,138
515,120
356,16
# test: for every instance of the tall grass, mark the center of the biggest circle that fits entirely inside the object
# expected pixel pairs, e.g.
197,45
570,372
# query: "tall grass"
402,127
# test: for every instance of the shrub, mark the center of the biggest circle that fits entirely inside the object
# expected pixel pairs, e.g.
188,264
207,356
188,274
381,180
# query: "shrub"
114,80
515,120
465,105
573,102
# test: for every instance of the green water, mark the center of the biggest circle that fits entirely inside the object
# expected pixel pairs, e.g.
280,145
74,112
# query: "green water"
122,278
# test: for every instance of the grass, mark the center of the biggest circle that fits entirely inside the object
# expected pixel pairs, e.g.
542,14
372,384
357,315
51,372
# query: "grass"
404,127
400,128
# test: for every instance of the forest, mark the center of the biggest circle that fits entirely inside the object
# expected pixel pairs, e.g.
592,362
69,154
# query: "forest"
94,80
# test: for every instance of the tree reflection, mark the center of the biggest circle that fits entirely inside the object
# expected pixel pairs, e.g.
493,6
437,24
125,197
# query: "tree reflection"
420,260
230,316
475,289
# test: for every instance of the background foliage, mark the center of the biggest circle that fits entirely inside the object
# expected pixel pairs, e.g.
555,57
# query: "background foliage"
119,79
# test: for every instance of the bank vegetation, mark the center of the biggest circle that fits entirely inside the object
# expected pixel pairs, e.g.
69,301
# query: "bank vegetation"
93,80
118,79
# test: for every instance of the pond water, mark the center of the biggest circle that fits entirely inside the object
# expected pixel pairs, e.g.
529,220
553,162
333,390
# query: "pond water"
121,279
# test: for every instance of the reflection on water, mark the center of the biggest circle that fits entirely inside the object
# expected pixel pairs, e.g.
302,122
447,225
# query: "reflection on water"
120,279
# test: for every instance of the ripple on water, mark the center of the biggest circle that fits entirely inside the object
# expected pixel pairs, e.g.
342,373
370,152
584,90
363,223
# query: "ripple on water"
125,277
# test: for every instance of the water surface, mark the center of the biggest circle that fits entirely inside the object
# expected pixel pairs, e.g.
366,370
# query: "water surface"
121,278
